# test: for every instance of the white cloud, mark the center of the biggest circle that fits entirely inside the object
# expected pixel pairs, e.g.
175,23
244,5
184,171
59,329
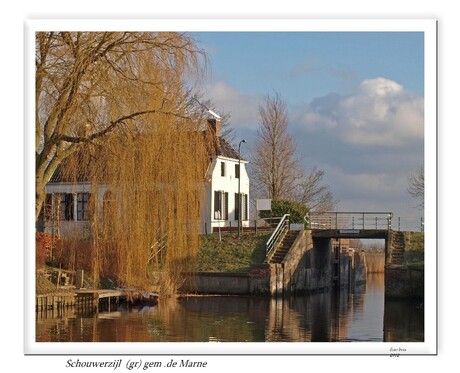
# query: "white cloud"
376,185
371,190
380,87
319,120
381,112
334,133
243,107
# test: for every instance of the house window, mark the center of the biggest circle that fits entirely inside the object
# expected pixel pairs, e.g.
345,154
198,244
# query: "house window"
237,171
59,206
222,168
244,201
66,204
220,205
83,206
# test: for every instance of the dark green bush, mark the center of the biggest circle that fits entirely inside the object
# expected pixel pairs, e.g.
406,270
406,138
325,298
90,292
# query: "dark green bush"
296,210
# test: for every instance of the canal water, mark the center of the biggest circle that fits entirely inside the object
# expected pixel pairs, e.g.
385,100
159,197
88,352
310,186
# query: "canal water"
326,317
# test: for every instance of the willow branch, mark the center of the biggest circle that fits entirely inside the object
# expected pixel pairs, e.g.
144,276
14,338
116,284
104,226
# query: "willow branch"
114,124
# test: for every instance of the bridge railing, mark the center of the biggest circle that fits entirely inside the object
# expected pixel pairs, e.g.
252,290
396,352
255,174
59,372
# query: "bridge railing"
409,223
277,234
349,220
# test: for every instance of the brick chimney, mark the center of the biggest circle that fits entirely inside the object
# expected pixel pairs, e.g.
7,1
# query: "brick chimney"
215,126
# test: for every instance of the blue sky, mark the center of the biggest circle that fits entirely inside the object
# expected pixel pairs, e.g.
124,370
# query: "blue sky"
304,65
355,103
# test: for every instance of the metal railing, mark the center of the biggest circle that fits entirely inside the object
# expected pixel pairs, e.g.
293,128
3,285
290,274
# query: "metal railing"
277,234
409,223
349,220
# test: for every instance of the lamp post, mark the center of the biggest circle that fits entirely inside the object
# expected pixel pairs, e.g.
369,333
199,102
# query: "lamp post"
239,188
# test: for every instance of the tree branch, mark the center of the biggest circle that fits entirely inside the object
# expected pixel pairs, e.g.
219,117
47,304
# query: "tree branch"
113,125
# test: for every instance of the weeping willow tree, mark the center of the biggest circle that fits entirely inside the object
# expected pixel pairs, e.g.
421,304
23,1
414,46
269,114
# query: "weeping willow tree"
111,108
90,84
148,218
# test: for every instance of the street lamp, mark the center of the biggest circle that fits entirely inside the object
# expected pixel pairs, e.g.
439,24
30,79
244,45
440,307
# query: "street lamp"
239,188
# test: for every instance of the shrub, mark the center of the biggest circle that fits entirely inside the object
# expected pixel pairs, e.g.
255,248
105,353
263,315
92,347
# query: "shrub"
74,254
43,247
296,210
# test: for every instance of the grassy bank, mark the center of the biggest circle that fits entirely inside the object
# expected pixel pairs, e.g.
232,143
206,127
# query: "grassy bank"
415,250
415,241
231,254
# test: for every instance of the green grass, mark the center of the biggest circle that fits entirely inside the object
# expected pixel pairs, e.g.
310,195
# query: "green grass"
231,254
416,241
416,265
415,250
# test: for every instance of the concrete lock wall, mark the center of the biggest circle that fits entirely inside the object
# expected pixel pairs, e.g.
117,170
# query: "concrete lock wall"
261,277
357,270
345,269
225,283
314,272
401,280
404,282
307,267
295,263
321,276
297,273
288,276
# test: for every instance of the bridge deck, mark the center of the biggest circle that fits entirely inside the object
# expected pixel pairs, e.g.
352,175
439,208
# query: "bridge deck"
350,233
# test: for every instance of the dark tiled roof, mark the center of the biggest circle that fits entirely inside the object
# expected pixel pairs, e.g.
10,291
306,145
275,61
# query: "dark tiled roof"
219,147
59,176
226,150
68,172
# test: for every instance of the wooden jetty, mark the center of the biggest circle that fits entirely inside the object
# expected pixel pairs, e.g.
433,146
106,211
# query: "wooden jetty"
92,300
55,301
95,299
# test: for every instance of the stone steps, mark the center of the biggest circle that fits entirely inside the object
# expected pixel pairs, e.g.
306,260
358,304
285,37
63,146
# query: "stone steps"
398,248
284,247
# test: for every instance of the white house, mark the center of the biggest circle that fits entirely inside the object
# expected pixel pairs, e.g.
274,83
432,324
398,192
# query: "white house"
67,205
225,178
67,202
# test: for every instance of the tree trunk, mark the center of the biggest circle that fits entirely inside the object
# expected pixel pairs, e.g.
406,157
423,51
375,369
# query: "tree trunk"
40,196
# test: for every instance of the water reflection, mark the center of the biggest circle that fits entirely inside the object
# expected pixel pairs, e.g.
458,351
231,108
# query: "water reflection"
323,317
404,321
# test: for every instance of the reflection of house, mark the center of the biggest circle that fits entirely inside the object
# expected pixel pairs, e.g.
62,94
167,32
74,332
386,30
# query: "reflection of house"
67,203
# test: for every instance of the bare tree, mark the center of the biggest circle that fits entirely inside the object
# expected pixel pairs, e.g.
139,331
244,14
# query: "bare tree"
311,192
90,84
274,162
276,169
416,186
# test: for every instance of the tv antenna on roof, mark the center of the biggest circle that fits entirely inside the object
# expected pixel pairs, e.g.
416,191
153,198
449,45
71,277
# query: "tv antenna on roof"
217,116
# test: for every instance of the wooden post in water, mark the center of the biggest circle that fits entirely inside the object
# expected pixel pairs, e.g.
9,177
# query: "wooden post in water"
96,302
79,278
58,280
